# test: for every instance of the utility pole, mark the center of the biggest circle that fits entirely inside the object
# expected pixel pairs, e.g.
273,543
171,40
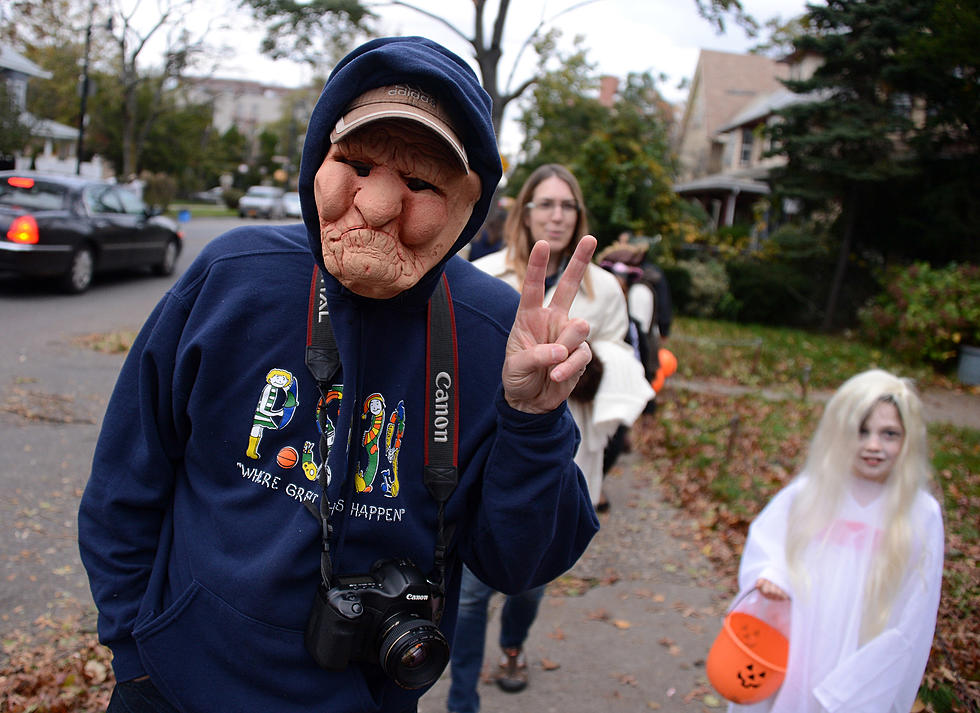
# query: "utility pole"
84,100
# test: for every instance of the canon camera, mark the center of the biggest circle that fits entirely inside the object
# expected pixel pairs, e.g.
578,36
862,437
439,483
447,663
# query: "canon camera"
383,617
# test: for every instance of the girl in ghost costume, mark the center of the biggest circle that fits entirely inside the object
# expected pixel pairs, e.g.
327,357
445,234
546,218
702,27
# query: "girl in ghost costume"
855,542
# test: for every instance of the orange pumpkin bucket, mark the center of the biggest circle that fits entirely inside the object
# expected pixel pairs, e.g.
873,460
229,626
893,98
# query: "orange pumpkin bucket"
747,661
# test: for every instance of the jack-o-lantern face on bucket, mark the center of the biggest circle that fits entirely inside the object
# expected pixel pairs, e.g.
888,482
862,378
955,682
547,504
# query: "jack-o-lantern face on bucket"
749,677
749,635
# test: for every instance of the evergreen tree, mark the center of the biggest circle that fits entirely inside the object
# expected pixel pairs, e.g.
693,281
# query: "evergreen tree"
852,140
14,133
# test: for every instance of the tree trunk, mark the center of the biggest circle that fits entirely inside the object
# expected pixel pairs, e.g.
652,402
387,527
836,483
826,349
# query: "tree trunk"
847,239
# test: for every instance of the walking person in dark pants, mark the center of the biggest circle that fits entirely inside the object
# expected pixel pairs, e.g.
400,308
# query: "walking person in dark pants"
516,617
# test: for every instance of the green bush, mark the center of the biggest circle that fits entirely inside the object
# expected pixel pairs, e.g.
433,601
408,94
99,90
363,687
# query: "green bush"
774,293
708,286
792,242
679,281
925,313
231,197
159,189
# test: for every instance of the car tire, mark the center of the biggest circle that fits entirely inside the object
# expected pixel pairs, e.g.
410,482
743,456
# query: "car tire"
168,262
80,271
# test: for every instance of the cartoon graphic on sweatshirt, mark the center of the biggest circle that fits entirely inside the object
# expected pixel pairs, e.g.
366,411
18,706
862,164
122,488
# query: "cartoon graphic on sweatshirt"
374,409
327,409
393,443
309,465
275,408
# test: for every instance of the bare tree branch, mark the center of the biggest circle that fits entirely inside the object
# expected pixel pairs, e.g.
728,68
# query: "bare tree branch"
534,35
430,15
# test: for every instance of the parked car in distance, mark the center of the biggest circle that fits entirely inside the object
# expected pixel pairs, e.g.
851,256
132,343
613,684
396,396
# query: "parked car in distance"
70,227
211,195
261,202
291,205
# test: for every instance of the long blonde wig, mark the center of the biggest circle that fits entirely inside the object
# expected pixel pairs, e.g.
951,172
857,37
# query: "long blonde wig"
829,469
518,238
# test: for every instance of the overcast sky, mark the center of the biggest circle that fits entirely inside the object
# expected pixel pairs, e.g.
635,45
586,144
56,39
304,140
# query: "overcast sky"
660,36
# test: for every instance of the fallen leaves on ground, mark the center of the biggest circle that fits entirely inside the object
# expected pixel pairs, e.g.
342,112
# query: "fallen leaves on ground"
62,670
40,406
626,679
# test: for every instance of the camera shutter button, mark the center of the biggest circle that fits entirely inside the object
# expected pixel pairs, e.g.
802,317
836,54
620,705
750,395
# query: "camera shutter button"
354,606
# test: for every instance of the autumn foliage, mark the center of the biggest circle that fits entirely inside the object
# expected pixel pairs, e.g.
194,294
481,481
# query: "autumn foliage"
60,669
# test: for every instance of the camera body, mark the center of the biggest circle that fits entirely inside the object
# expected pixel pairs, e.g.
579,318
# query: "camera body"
383,617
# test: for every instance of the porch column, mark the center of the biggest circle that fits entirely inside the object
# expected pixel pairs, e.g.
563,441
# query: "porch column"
730,207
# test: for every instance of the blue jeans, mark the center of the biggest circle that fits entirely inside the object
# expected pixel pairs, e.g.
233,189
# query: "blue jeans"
466,659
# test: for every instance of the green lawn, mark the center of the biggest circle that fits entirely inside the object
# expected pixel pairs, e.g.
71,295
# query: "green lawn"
756,355
201,210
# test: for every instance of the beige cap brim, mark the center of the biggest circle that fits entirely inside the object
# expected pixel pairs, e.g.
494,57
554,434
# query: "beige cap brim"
400,102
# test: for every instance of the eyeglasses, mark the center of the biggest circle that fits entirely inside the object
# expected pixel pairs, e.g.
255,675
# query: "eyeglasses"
547,207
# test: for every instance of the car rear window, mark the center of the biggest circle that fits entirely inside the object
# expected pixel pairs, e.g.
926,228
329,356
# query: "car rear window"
31,194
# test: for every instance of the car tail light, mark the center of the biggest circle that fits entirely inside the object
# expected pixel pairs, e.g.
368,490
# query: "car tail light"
23,230
20,182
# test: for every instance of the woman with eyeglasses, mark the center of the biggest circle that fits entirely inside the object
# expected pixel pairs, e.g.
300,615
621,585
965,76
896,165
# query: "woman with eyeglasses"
550,207
613,391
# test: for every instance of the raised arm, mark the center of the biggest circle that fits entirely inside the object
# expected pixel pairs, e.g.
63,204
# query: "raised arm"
546,350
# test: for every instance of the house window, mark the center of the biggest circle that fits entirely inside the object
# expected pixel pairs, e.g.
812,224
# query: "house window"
748,137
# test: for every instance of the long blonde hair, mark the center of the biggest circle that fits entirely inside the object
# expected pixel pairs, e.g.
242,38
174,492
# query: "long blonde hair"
517,237
829,468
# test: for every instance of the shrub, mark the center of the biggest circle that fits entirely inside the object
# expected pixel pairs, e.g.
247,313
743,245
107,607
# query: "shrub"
925,313
159,189
772,293
231,197
679,281
708,286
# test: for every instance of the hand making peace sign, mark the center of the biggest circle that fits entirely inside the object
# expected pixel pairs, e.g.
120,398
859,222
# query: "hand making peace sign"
546,350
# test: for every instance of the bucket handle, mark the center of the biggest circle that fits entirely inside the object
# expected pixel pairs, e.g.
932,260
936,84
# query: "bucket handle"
738,599
743,595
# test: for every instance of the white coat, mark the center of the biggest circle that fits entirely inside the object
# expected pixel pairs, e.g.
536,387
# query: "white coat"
624,391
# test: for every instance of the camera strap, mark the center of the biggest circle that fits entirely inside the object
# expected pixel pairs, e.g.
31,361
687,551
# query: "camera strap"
440,471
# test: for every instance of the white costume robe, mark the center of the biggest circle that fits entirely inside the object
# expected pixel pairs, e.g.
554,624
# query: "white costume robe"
624,391
827,669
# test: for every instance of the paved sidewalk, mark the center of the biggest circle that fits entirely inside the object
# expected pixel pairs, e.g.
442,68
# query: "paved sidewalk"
635,642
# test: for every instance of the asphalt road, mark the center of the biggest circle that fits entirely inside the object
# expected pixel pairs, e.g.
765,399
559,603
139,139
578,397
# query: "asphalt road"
53,394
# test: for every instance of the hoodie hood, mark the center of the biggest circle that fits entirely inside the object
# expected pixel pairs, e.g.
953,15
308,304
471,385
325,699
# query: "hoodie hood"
398,60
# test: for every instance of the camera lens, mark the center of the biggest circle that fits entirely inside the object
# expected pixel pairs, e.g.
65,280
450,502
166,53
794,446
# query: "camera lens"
415,657
414,653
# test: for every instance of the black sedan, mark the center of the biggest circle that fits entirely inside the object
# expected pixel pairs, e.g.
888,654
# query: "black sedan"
71,227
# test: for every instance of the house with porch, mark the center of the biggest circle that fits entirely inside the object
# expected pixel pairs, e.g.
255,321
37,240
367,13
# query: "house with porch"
52,145
720,142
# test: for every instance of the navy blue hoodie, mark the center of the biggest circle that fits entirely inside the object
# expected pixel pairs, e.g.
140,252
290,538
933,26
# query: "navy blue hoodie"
195,527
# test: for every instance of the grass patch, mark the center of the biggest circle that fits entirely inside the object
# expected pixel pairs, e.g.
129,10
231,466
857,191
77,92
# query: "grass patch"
755,355
202,210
